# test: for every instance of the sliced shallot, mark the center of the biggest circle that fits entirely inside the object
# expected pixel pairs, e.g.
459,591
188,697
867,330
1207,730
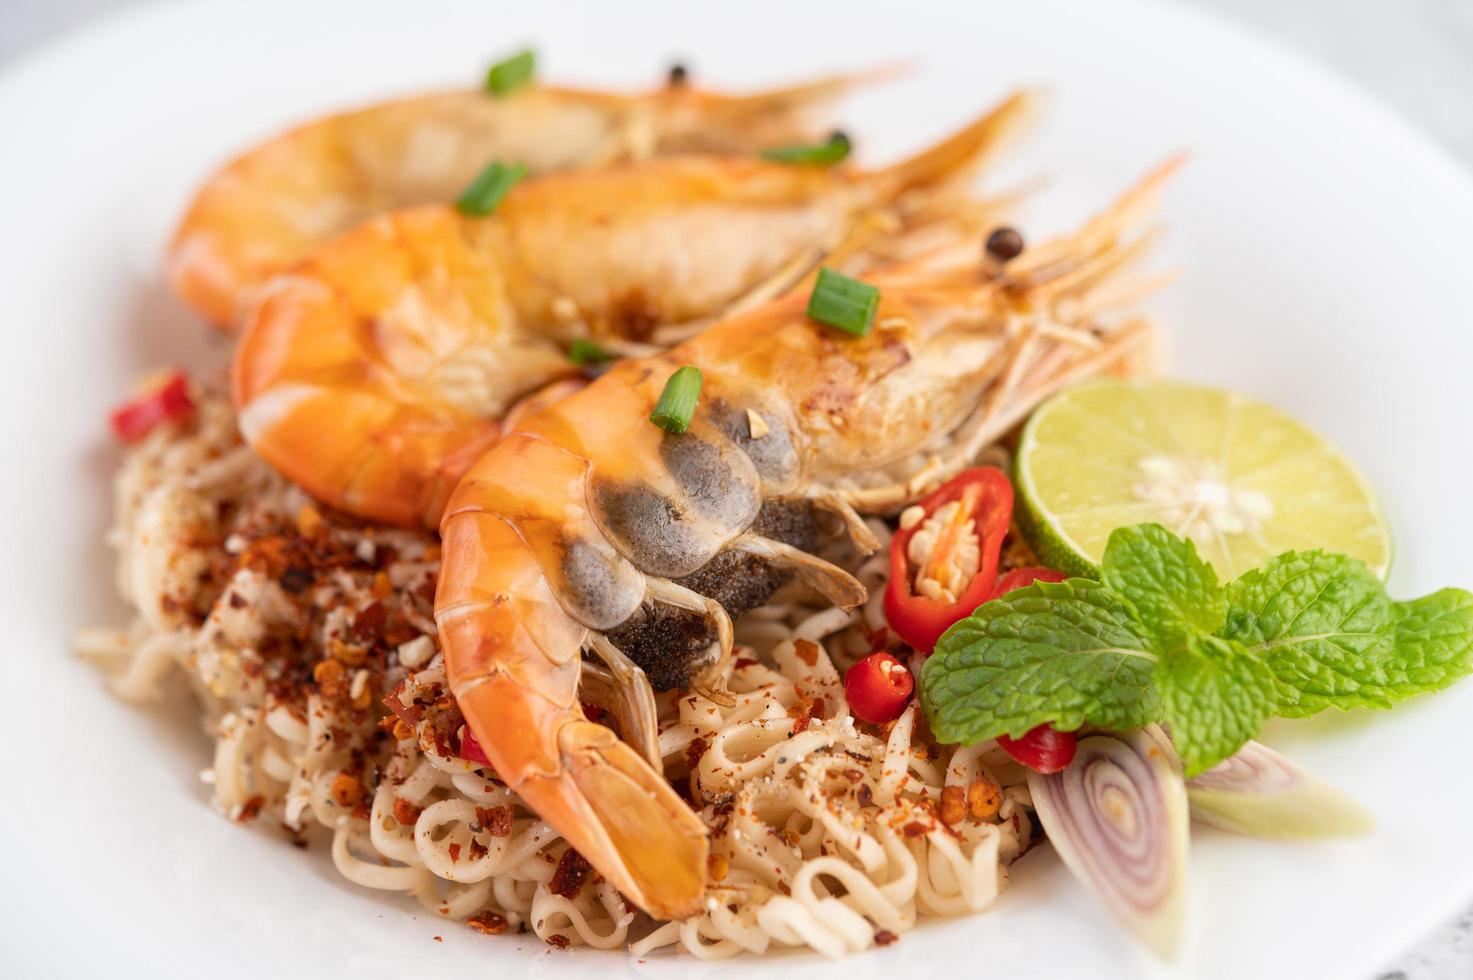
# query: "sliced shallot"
1117,815
1260,793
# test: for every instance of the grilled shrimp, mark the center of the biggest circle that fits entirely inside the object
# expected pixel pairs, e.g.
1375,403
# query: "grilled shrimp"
282,199
380,368
592,547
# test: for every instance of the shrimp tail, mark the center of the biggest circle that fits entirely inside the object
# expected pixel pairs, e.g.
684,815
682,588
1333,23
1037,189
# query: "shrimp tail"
962,154
667,870
612,808
513,656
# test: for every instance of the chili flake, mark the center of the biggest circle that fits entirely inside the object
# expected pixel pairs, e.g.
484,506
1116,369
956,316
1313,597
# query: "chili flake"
496,820
487,923
567,879
368,624
405,812
694,751
807,652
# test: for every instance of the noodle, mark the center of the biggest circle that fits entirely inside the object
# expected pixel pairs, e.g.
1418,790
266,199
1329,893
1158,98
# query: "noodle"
825,833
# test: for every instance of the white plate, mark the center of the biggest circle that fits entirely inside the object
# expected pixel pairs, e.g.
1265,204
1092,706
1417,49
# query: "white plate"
1325,256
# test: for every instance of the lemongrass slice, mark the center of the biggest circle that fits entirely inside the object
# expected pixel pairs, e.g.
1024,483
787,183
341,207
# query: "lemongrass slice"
1260,793
1117,815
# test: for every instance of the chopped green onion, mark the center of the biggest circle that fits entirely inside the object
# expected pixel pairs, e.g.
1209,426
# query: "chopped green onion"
823,154
489,187
511,74
585,352
677,404
843,303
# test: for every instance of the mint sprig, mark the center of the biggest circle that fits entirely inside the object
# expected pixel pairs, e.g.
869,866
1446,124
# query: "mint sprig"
1434,643
1158,639
1067,652
1324,625
1215,695
1174,591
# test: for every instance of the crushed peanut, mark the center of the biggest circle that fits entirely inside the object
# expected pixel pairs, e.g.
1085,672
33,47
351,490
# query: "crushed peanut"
330,676
382,586
953,805
359,694
984,798
348,653
417,652
309,521
347,790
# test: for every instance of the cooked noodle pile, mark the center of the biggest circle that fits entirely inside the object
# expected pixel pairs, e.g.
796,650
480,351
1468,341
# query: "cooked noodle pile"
296,627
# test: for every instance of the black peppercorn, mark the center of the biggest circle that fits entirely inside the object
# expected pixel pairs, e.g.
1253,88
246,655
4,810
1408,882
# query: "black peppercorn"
1004,244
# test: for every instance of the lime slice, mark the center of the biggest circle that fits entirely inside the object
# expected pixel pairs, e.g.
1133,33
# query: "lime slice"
1243,480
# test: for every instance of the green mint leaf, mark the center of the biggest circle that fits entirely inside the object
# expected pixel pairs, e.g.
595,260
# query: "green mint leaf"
1434,644
1216,695
1068,653
1333,638
1323,624
1173,590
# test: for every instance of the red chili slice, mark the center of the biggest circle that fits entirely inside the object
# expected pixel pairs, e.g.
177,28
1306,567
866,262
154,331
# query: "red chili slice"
1020,578
470,748
878,688
1042,749
986,498
168,402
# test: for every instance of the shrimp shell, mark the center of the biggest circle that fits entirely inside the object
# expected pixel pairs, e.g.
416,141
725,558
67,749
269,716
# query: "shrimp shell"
281,200
375,372
587,511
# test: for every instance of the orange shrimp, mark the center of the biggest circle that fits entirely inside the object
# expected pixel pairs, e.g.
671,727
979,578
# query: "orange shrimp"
376,371
281,200
588,537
